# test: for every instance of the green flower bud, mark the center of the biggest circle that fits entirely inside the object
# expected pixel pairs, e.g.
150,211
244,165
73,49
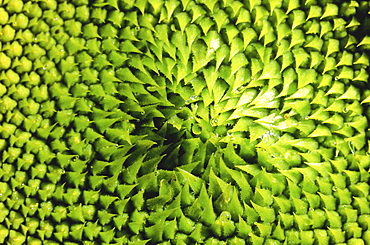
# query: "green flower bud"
34,52
57,53
355,241
75,213
116,17
264,229
26,161
198,234
24,36
268,241
361,75
76,178
14,6
185,224
209,241
59,35
110,44
20,21
83,14
4,16
330,10
73,28
32,10
223,226
39,171
287,220
32,224
60,146
66,65
98,15
107,236
92,230
314,12
72,196
105,217
352,229
7,129
23,65
84,59
3,90
11,78
66,102
43,132
5,191
3,144
93,46
76,232
108,31
29,107
64,117
46,191
12,154
5,61
293,235
16,238
21,177
4,212
9,171
66,10
49,4
90,197
21,92
46,229
46,41
59,213
169,229
47,109
138,220
88,212
31,79
45,210
38,26
72,78
62,231
55,173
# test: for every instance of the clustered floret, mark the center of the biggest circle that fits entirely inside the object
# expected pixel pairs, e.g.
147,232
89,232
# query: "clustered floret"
184,122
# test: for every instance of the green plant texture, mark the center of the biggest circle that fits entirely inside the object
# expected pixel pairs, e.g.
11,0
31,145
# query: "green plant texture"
184,122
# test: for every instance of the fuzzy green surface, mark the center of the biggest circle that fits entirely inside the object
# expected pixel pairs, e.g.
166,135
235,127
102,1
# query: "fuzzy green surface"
184,122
